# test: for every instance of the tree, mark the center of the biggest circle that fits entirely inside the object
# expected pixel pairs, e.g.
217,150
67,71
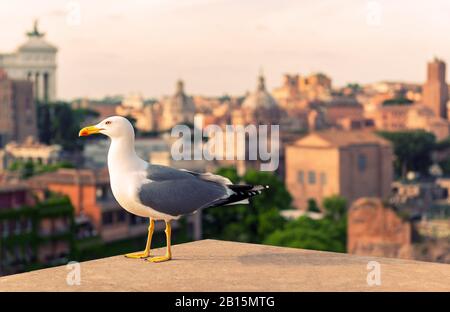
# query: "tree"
412,150
329,233
253,222
59,124
397,101
335,207
312,205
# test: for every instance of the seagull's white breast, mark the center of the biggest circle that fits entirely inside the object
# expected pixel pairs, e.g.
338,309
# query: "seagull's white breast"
127,173
125,187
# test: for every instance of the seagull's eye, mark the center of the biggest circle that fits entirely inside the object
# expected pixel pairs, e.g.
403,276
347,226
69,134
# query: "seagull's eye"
108,122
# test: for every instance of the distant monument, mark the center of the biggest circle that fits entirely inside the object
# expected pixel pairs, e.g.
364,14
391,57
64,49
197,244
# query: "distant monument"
435,89
35,60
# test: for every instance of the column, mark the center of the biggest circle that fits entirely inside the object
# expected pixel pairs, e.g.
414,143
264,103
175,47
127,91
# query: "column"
36,86
46,90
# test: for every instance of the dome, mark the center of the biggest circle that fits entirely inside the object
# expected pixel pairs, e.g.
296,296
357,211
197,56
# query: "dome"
37,44
260,98
178,109
180,101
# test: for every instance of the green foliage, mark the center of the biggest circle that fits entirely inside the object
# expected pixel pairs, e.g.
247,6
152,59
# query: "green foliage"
253,222
29,168
335,207
59,124
355,87
397,101
324,234
442,145
230,173
329,233
312,206
445,166
412,150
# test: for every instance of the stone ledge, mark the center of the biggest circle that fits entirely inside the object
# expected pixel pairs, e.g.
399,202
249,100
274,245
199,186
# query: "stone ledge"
211,265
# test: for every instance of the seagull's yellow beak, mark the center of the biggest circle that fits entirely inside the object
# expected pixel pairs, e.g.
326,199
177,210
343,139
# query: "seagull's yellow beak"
89,130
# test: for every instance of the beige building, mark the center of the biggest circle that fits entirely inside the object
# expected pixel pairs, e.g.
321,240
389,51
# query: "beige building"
297,90
146,115
177,109
35,61
29,150
411,117
391,117
352,164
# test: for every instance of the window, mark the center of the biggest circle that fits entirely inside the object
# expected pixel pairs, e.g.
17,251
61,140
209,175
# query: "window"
135,220
362,162
121,216
102,192
300,177
312,177
107,218
323,178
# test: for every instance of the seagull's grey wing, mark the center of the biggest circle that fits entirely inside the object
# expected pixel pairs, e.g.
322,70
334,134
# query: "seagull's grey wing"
164,173
208,176
181,195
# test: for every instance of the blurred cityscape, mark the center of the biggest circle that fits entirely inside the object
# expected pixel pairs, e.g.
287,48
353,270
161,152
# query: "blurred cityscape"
364,168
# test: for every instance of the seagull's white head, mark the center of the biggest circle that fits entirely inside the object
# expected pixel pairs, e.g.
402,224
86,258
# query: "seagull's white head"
114,127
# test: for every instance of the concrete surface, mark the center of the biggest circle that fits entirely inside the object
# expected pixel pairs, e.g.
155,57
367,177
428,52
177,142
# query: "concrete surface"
211,265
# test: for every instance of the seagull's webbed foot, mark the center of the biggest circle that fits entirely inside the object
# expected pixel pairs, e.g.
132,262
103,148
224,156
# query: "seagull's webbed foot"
168,255
138,255
146,253
160,259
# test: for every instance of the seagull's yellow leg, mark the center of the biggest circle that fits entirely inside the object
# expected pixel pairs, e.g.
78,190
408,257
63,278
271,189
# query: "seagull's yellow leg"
146,252
168,255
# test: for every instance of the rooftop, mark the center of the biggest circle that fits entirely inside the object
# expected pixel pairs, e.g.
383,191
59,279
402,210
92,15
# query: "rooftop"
72,176
211,265
341,138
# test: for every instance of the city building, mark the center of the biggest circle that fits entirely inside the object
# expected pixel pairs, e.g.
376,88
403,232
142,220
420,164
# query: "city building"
296,90
401,117
146,115
288,95
96,210
177,109
352,164
18,111
91,196
33,234
315,86
377,229
435,89
35,61
258,107
29,150
342,107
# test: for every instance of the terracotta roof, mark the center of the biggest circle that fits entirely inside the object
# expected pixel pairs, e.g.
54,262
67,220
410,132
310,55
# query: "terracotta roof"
11,187
72,176
341,138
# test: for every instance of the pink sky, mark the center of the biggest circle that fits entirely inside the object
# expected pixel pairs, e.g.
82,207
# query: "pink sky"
218,46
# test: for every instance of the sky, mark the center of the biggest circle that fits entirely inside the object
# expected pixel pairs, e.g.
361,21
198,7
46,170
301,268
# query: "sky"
219,46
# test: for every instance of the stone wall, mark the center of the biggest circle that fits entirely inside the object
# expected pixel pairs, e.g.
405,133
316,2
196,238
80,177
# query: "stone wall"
376,230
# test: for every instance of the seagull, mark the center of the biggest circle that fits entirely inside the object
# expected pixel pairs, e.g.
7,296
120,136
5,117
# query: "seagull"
160,192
